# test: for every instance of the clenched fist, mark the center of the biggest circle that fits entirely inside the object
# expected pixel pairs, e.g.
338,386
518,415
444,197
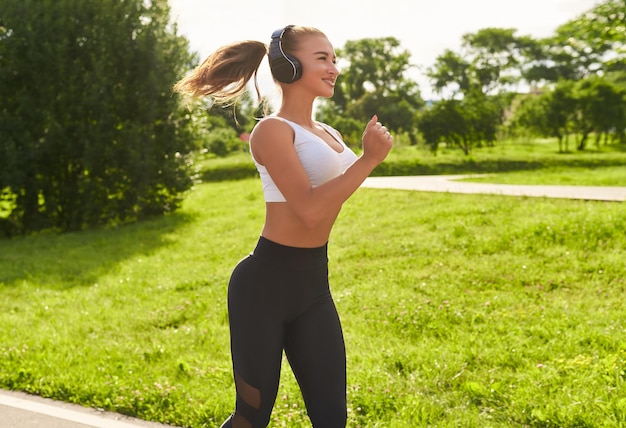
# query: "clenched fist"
377,141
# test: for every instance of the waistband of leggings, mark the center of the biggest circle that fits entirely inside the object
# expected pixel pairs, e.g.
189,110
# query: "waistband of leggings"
294,257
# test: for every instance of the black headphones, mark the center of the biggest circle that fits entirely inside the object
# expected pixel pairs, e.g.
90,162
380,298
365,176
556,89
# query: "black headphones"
285,68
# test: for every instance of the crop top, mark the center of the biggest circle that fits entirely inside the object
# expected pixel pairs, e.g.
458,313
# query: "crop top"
320,161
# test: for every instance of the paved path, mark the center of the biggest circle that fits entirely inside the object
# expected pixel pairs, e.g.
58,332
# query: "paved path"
18,410
448,183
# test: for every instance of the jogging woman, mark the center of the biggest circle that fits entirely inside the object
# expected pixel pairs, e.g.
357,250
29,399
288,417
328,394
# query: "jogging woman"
278,296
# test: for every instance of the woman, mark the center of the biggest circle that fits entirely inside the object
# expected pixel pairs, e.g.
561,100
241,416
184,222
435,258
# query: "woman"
278,297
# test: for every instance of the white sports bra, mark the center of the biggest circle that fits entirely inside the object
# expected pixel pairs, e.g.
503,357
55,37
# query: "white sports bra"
320,161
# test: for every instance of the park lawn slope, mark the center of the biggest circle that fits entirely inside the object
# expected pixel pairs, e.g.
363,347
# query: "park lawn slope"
458,310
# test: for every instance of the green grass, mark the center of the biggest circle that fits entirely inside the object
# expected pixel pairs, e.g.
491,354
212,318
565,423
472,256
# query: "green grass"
458,310
512,159
598,176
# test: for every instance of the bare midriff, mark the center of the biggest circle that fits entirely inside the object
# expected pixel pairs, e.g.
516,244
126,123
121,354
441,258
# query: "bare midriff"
283,226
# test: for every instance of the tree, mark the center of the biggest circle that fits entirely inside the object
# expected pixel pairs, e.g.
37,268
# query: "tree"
240,116
451,73
440,122
593,43
89,130
476,80
601,109
465,123
550,114
220,129
490,62
374,81
594,104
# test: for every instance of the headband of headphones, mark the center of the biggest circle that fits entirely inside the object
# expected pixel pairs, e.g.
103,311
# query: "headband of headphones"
285,68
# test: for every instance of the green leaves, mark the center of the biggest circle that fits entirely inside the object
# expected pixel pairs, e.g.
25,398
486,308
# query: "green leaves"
90,133
594,104
591,43
490,62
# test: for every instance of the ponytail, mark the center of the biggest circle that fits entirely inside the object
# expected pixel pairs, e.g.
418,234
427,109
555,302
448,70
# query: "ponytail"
225,73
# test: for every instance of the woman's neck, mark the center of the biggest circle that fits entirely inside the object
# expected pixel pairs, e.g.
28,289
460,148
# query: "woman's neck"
297,111
305,121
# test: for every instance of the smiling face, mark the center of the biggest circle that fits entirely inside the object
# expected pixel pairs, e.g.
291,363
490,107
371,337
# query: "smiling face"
319,69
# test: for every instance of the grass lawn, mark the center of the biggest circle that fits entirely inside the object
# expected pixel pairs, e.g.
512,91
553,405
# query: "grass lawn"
599,176
506,163
458,311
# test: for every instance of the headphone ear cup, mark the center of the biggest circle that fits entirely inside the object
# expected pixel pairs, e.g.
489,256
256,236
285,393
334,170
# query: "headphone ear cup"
285,68
296,67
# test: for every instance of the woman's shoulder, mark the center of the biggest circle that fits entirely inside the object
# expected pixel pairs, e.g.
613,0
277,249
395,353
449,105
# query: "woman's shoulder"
271,124
271,137
271,131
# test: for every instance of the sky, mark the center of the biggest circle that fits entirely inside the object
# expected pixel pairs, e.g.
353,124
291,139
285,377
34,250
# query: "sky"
426,28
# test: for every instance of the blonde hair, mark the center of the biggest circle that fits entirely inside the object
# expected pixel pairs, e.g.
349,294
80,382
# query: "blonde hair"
292,38
225,73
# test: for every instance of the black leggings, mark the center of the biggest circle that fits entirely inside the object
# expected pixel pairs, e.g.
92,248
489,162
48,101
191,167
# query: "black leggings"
279,299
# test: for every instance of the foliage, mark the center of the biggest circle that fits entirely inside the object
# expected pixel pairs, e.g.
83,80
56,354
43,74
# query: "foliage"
490,62
495,60
227,127
601,109
223,141
465,123
591,105
90,133
593,43
473,85
240,116
548,114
